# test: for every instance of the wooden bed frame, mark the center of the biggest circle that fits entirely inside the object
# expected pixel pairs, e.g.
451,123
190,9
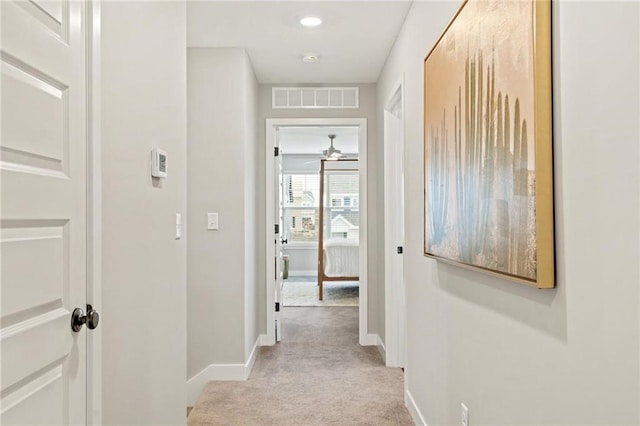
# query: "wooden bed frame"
321,275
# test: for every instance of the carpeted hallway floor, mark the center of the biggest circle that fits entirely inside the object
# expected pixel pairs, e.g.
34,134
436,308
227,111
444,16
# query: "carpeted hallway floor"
317,375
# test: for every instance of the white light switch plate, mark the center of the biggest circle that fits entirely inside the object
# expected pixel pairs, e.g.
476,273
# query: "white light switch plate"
212,221
178,226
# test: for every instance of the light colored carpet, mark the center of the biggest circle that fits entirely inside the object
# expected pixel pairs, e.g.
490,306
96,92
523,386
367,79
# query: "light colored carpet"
317,375
299,292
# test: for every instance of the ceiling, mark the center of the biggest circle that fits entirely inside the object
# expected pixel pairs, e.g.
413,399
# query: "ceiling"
352,43
313,140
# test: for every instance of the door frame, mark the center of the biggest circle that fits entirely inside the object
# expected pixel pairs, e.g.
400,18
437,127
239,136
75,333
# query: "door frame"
93,17
271,125
395,286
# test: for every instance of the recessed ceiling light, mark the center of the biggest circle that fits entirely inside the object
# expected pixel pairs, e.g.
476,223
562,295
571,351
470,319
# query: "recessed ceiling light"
311,21
308,59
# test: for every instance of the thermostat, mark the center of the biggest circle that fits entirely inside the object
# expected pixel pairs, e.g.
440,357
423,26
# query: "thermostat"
158,163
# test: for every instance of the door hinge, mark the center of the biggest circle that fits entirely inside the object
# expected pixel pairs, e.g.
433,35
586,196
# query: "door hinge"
276,228
276,151
277,306
399,249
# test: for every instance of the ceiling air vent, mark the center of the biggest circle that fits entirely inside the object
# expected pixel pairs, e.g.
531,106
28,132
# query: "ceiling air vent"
314,97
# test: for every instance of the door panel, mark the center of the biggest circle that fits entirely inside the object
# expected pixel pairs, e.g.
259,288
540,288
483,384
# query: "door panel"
39,402
32,288
53,10
35,128
51,14
43,212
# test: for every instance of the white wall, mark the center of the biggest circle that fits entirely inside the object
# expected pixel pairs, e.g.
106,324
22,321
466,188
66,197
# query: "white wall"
224,278
144,266
513,354
302,259
375,190
254,273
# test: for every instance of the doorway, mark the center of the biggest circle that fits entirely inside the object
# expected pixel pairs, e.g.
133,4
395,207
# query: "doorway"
394,227
319,207
293,195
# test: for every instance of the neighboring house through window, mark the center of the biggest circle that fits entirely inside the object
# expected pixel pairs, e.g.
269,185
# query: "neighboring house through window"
300,207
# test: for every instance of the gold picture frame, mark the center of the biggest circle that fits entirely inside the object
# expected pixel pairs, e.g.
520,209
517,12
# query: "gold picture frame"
488,156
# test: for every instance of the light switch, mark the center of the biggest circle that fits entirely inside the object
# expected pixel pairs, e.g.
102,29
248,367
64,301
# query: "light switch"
178,226
212,221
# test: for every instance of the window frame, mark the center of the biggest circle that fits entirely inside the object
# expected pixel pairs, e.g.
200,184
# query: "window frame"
287,209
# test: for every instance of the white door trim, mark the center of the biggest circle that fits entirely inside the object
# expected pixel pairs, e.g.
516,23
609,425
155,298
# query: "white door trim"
395,313
271,124
94,211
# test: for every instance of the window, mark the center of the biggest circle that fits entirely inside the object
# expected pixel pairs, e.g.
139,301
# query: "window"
300,207
301,201
342,215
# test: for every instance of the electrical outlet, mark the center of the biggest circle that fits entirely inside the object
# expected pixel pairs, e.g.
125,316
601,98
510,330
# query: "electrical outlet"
465,415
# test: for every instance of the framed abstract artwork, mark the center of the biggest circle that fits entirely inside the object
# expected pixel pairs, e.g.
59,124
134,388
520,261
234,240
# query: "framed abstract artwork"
488,159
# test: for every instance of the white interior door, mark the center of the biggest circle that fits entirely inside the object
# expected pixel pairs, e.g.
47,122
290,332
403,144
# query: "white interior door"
394,229
43,213
279,232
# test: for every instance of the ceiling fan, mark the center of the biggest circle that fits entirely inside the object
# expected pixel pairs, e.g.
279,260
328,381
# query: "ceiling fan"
332,153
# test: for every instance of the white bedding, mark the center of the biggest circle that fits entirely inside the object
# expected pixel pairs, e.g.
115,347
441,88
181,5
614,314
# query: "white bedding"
341,258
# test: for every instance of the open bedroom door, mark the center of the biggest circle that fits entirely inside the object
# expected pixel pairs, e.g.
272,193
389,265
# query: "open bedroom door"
278,233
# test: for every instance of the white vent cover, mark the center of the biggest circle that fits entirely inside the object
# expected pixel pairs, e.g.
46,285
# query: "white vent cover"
314,97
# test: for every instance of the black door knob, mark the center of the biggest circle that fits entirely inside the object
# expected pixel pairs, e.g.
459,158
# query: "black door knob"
93,318
78,319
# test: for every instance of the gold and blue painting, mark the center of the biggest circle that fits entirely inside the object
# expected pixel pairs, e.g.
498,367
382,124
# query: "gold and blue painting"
488,144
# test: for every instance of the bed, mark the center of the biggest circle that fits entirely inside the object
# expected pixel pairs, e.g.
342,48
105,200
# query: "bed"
340,262
338,258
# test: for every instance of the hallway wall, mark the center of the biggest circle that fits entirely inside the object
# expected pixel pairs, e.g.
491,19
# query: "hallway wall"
225,310
254,280
513,354
374,191
143,312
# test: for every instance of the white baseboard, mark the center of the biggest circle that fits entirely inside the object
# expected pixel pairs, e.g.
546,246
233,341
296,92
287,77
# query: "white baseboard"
375,340
370,340
218,372
381,348
416,415
303,273
248,366
222,372
264,340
